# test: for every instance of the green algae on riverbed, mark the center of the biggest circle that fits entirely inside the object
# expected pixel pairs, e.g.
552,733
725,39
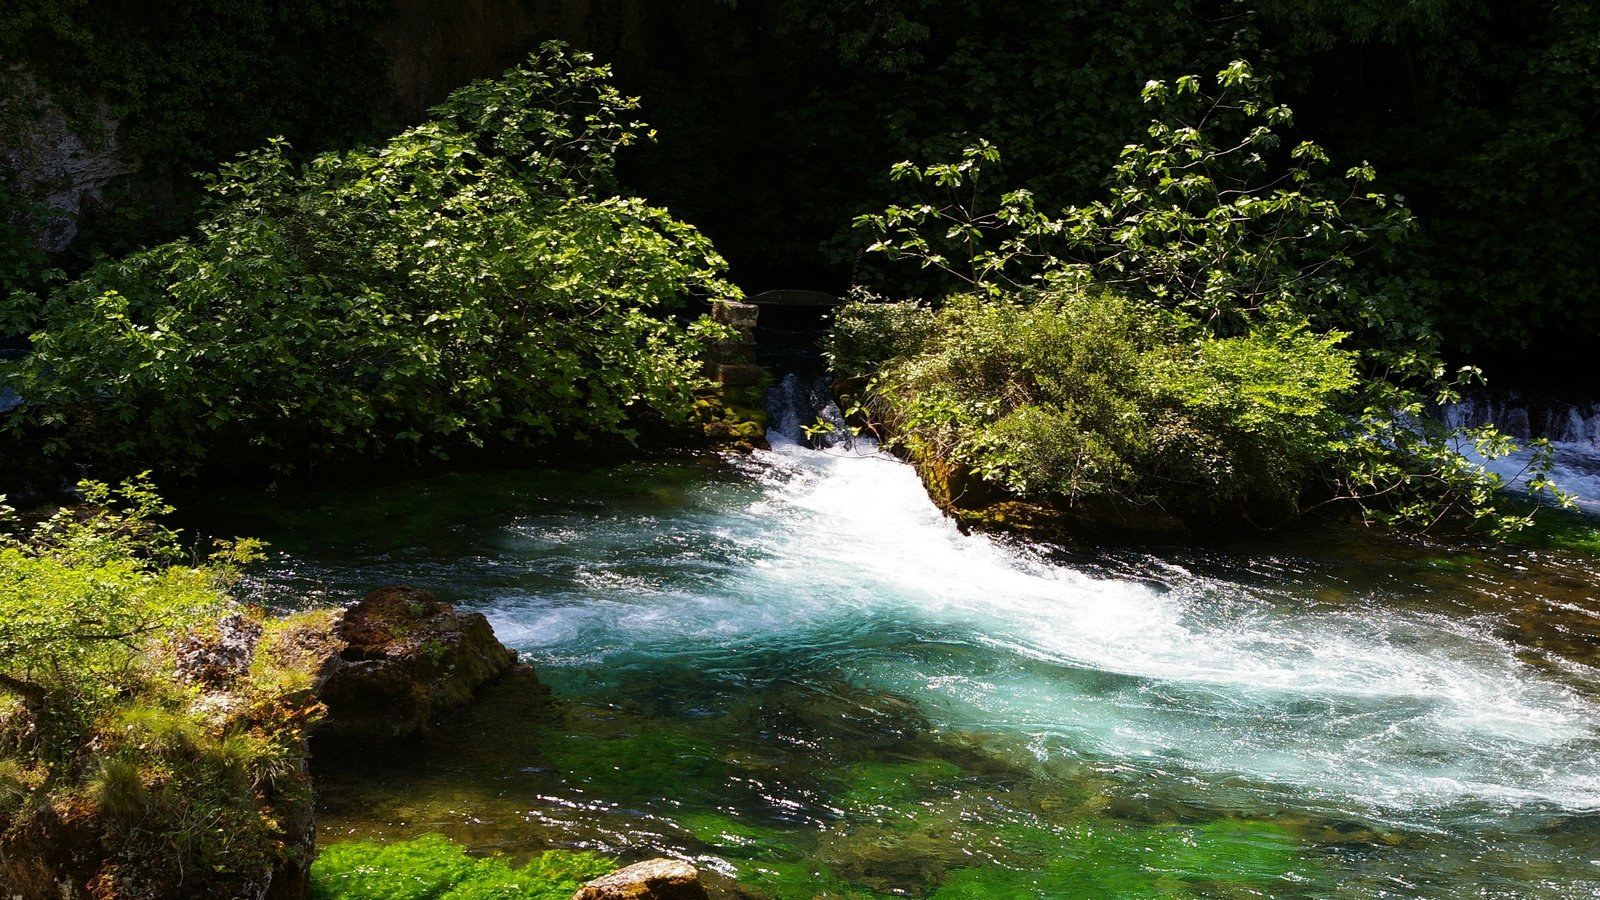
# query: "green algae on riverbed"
958,822
793,672
432,867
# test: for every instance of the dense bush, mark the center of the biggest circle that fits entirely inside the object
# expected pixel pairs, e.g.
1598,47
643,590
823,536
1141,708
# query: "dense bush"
1080,393
86,590
188,780
1178,341
470,282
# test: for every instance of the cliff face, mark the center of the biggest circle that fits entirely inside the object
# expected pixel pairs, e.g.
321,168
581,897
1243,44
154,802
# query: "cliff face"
680,56
65,163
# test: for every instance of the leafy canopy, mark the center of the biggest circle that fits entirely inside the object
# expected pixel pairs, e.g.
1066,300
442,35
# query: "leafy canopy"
1211,375
470,282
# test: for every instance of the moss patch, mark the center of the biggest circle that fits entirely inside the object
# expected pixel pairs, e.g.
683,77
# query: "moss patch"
1125,861
1561,529
894,790
432,867
739,838
649,764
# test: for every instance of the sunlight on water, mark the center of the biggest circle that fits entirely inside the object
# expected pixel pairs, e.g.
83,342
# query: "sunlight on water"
799,674
1391,711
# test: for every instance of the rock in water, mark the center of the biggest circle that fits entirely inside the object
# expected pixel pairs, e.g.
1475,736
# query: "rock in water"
406,656
653,879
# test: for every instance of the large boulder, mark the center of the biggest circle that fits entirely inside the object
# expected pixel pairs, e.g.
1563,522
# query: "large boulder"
653,879
404,657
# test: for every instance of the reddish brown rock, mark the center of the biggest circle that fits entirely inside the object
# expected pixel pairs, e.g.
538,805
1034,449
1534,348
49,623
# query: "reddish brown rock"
406,656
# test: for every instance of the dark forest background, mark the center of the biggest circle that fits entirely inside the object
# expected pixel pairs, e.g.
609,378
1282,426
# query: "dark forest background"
778,120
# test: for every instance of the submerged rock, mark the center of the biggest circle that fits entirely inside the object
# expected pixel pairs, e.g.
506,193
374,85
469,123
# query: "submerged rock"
653,879
405,657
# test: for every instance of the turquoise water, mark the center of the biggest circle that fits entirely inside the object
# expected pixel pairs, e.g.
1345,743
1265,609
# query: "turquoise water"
791,670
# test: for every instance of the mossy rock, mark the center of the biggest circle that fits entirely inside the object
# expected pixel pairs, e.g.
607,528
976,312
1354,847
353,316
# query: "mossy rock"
734,415
978,504
405,657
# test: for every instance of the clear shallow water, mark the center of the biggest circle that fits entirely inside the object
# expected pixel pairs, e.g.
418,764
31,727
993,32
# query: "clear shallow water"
794,671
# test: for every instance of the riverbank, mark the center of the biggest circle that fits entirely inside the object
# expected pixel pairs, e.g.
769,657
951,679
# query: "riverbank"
194,778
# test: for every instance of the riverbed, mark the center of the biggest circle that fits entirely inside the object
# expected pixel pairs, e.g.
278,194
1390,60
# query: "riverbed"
790,669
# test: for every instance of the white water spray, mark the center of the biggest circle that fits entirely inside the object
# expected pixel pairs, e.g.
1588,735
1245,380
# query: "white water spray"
843,564
1572,430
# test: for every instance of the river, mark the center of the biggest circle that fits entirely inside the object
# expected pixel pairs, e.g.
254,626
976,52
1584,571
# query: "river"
790,669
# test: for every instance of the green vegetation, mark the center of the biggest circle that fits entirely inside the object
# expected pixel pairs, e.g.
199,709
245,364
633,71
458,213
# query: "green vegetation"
1478,114
203,78
1126,862
87,589
431,867
470,283
187,83
1181,343
1080,393
916,824
653,764
890,790
1475,113
1562,529
134,720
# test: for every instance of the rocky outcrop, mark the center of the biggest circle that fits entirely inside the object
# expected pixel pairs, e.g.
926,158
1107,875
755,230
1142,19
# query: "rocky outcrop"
63,163
402,657
654,879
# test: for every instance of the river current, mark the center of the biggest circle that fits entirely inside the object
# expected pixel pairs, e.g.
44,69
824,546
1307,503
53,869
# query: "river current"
790,669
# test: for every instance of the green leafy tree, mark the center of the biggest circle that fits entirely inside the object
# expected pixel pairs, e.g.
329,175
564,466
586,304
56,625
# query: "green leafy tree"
472,282
1210,216
1245,254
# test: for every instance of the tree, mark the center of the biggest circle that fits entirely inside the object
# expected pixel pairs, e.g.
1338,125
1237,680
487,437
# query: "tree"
472,282
1241,257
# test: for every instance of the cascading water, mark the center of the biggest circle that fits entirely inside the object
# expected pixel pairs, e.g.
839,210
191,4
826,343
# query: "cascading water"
1573,431
794,671
802,410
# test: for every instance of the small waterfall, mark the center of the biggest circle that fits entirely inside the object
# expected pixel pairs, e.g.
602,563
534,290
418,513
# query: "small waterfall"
802,410
1573,430
1557,421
